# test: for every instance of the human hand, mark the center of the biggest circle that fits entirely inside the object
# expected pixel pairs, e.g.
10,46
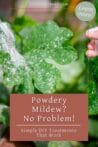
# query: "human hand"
93,45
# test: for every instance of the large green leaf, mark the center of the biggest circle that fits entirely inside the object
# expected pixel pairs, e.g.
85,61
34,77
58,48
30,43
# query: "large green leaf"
14,69
53,59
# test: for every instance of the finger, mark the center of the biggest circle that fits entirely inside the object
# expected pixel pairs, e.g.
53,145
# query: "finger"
91,45
92,33
91,53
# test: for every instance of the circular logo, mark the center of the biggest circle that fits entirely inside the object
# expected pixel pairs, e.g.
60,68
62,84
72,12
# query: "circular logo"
85,11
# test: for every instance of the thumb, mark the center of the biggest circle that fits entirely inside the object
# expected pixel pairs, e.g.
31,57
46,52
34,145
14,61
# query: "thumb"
92,33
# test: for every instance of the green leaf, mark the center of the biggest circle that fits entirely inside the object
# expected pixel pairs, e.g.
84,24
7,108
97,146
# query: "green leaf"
21,22
44,36
13,65
4,115
18,24
52,58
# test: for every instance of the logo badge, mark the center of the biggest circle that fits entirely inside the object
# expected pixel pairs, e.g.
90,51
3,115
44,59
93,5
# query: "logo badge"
85,11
